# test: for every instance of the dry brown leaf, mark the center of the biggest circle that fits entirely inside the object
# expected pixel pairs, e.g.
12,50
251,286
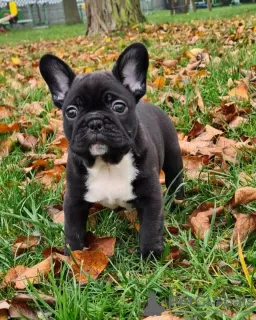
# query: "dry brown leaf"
4,307
242,196
56,213
23,297
200,102
196,129
194,52
237,122
33,274
170,63
61,161
21,308
86,263
159,82
61,143
27,141
162,177
229,150
240,91
37,164
12,274
165,316
6,128
48,177
7,145
24,243
244,226
103,244
34,108
223,245
193,165
200,218
5,111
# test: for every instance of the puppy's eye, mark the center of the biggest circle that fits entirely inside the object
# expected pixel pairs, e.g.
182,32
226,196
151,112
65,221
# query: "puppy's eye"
119,107
71,112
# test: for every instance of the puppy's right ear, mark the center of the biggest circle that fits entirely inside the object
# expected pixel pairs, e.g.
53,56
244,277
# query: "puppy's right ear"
58,76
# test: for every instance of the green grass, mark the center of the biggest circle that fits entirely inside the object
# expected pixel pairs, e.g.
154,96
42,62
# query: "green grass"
63,31
202,14
121,291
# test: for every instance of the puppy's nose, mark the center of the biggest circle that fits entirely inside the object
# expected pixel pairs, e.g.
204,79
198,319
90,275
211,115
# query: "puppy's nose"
95,125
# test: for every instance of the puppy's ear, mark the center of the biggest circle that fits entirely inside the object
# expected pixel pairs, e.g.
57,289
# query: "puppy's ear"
58,76
131,69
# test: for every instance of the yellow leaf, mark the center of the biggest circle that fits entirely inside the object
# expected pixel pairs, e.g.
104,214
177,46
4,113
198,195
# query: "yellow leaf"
243,264
108,40
159,82
16,60
89,69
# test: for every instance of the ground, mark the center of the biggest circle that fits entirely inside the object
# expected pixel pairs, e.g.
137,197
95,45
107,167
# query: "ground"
206,58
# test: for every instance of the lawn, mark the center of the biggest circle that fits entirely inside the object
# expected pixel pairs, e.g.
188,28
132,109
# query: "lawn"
203,75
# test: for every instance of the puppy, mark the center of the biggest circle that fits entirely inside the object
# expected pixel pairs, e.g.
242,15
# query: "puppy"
117,145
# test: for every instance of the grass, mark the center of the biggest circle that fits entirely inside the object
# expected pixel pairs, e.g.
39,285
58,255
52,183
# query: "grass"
121,292
55,32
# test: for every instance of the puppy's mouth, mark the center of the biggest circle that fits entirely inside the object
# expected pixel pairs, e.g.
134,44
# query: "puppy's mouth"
98,149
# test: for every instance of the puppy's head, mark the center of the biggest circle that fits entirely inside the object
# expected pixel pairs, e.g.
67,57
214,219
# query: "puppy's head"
99,107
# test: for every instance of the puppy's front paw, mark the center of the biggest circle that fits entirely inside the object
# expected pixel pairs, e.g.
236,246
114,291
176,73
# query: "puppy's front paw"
153,249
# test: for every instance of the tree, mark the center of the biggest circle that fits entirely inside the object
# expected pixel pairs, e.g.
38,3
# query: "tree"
193,5
71,12
104,16
209,4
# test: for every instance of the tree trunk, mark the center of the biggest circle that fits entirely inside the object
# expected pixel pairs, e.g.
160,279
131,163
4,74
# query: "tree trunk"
71,12
172,6
209,4
193,5
104,16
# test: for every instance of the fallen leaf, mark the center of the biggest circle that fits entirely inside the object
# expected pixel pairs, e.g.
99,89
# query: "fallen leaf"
21,308
162,177
103,244
196,129
200,218
159,82
47,252
165,316
56,213
37,164
27,141
193,165
23,297
87,263
240,92
5,111
6,128
61,161
200,102
34,108
244,226
12,274
242,196
170,63
48,177
7,145
34,274
61,143
24,243
237,122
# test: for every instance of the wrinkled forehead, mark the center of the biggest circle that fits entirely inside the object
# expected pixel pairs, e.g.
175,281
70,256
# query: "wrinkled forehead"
94,85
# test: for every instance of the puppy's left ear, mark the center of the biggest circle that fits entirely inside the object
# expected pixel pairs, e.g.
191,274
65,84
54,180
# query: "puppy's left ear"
58,76
131,69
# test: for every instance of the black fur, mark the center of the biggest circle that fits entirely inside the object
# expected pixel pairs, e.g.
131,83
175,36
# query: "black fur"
143,129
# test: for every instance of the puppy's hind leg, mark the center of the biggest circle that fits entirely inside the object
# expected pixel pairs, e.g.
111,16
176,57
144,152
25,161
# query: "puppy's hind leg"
173,169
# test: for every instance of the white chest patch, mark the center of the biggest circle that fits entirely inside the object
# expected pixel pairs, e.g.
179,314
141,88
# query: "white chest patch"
111,185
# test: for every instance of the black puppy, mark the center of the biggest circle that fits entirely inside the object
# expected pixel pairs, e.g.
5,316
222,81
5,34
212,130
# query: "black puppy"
117,145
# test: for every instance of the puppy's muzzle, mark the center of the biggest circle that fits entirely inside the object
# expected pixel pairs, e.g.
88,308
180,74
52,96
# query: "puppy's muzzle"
95,125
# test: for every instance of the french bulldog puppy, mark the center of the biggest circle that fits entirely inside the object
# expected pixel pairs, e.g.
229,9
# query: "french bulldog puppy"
117,145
